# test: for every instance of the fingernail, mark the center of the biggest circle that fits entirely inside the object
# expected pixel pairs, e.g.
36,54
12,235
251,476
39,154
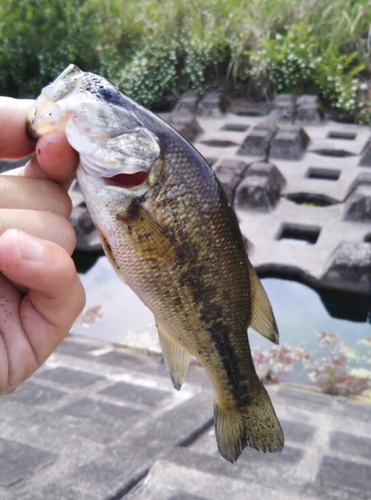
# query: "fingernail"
31,248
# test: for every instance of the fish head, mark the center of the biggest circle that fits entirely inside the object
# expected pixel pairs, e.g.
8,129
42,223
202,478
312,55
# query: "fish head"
118,153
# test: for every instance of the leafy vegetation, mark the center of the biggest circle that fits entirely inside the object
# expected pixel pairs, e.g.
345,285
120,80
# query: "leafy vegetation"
154,49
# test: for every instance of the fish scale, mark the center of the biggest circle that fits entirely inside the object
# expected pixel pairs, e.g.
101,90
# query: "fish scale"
170,233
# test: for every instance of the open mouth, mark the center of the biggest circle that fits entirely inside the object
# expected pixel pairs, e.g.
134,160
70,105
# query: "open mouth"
127,181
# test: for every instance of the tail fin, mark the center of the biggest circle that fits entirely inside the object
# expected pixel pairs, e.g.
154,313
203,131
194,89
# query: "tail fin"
255,425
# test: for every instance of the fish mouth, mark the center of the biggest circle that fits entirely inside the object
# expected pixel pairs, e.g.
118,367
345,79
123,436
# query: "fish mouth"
127,181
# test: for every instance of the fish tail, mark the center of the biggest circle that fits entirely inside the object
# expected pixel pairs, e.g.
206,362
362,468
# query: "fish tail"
254,425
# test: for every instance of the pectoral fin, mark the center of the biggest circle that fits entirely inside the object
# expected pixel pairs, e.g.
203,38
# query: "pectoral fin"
176,359
262,318
150,238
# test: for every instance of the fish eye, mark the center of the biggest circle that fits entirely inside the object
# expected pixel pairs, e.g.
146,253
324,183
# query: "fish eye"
109,94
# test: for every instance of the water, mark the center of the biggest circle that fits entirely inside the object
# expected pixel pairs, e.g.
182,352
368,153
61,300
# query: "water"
329,347
325,339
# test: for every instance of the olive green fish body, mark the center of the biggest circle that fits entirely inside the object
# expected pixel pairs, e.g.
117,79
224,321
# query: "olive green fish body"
174,239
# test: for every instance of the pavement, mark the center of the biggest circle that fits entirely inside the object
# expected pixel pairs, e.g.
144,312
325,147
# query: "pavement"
99,422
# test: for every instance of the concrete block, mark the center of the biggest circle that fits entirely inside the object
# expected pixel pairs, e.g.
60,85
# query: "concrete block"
229,173
214,104
350,266
261,187
189,128
358,206
289,144
257,141
250,109
365,160
283,108
186,106
309,110
87,238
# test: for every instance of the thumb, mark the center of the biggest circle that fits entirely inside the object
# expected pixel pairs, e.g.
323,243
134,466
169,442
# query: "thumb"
55,294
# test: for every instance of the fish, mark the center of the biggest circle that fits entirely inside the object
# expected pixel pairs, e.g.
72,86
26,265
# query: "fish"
171,234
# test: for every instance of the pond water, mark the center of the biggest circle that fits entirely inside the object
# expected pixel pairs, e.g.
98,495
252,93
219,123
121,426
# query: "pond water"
325,339
334,353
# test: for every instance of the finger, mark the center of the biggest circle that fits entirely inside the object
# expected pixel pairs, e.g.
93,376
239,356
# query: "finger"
17,360
56,158
32,194
14,142
56,296
41,224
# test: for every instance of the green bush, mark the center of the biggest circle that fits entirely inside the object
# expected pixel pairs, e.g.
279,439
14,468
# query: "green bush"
153,48
297,61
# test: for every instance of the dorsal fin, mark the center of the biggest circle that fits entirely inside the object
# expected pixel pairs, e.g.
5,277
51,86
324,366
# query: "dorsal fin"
175,357
262,317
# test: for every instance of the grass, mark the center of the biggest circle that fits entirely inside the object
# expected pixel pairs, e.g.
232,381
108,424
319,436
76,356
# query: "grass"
154,49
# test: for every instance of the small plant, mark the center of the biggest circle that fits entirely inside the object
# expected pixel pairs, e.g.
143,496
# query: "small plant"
297,61
150,74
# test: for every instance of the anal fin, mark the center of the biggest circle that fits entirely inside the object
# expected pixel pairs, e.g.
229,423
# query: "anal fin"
175,357
262,317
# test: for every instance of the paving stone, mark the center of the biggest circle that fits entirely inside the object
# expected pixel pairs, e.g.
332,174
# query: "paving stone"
358,206
75,379
60,491
18,460
125,359
289,144
304,398
102,412
122,391
327,491
350,444
35,394
289,455
297,432
261,187
350,263
257,141
186,496
345,473
75,348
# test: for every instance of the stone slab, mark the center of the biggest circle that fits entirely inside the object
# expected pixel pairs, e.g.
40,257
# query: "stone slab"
74,379
35,394
345,473
349,444
18,460
124,392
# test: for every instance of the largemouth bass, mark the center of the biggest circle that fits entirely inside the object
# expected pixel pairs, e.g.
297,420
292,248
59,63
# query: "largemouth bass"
170,233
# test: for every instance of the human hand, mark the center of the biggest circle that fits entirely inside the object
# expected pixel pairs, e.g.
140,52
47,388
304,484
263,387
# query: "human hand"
40,292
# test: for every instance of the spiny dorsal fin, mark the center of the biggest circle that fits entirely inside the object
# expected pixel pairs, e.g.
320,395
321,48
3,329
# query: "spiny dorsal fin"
262,318
176,359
